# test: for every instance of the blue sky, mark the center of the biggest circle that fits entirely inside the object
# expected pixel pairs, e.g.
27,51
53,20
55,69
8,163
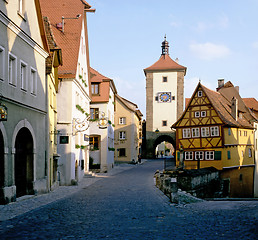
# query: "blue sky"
213,39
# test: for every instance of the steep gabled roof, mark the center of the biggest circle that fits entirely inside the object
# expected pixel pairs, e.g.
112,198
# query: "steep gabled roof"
221,101
165,63
69,40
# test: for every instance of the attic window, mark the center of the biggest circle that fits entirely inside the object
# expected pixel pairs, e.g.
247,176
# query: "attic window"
199,93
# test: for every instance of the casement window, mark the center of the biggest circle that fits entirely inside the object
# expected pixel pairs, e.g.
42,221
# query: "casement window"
199,93
94,113
186,133
164,123
121,152
94,142
12,69
122,135
199,155
205,132
94,88
188,155
164,79
229,155
195,132
33,81
214,131
2,63
203,113
250,152
197,114
122,120
23,75
209,155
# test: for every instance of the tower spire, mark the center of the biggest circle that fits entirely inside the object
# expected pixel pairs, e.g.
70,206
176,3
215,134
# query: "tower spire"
165,46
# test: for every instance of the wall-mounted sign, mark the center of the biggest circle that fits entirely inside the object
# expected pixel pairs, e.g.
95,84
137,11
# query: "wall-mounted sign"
64,139
86,138
81,126
3,112
103,121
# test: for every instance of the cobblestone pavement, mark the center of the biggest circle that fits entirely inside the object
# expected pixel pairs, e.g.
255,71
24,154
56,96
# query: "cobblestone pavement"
127,205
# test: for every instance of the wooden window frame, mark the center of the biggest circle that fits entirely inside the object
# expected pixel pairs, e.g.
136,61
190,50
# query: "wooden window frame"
199,154
203,114
93,88
209,155
186,133
122,135
122,121
94,113
188,156
214,131
94,142
204,131
195,132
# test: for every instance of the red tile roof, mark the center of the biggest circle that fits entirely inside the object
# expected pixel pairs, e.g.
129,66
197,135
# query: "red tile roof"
105,84
69,40
221,101
165,63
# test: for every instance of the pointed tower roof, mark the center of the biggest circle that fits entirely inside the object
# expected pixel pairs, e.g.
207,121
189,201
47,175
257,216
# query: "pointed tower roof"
165,63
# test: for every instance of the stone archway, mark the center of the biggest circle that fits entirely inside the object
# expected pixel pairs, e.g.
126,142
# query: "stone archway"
153,139
23,161
161,139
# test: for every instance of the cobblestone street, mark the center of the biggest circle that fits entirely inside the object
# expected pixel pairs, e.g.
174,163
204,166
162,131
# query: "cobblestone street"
127,205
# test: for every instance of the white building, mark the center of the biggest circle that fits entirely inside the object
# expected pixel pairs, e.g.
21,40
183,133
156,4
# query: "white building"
102,110
73,98
23,51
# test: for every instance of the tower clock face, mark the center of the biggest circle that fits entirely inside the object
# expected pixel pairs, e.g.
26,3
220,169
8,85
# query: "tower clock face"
165,97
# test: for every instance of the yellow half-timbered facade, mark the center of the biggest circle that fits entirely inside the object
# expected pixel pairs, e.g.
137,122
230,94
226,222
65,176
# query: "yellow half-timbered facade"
216,130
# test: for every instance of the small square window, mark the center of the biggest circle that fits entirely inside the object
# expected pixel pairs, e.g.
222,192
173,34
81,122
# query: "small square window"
164,123
203,113
197,114
122,135
173,98
165,79
122,120
199,93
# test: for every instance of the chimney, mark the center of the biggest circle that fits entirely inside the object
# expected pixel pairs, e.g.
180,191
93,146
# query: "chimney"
237,88
177,60
234,108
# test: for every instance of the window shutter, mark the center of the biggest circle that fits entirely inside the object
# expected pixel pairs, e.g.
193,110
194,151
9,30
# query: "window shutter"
217,155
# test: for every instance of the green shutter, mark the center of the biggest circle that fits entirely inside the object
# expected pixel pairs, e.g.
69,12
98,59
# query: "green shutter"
229,157
217,155
178,156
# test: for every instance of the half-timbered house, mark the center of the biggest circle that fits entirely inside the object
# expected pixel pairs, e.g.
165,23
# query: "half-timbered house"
216,130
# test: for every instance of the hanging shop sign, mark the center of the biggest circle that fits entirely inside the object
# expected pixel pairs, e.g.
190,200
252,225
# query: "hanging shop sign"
3,112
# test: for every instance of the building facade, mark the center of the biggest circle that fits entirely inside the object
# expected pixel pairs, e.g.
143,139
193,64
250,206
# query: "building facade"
128,131
53,61
73,98
164,98
23,139
215,130
102,111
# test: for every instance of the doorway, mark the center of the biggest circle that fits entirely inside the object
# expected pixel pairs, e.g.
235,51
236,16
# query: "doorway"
24,163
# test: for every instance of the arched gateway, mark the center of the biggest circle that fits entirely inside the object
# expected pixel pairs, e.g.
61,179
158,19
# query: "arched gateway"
164,100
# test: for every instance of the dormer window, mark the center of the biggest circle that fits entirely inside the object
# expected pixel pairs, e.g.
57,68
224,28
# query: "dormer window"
95,88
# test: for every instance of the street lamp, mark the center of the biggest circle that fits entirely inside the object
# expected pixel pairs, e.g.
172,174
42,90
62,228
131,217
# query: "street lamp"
63,18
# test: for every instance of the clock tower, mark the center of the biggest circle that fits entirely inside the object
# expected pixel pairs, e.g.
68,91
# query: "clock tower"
164,96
